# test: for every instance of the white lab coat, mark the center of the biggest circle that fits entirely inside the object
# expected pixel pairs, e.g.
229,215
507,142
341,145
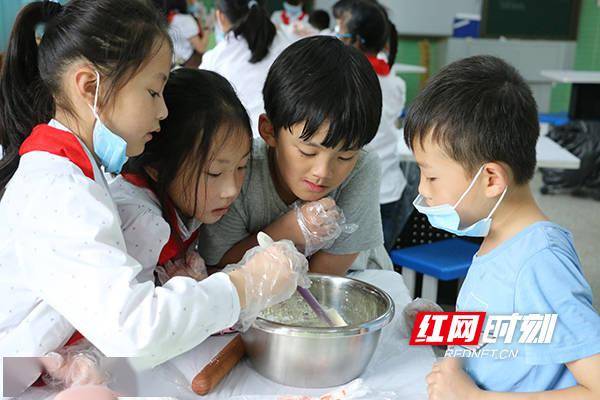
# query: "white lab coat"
288,29
385,143
145,230
64,265
182,28
230,58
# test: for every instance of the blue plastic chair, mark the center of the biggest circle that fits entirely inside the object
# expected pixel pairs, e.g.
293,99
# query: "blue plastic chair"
442,260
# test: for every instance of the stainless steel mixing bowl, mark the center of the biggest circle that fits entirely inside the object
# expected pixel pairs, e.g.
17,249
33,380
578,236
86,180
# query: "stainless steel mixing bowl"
323,357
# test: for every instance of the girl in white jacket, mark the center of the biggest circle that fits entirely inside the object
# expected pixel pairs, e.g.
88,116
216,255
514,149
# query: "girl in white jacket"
94,98
247,45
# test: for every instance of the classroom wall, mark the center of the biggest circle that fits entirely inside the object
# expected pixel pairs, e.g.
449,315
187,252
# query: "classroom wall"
587,52
8,11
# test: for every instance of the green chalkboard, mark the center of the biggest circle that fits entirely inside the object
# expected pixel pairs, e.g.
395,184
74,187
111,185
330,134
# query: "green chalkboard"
530,19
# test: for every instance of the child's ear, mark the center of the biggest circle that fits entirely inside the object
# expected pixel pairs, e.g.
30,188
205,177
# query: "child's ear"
85,83
496,177
266,130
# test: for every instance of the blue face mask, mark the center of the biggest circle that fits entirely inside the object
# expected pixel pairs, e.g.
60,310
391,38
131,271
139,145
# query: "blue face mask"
194,9
219,34
291,10
109,147
445,216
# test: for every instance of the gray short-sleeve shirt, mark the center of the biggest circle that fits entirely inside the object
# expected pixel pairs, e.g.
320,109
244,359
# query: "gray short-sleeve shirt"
259,204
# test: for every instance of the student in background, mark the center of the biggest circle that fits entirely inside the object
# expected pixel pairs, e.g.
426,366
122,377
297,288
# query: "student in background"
189,40
390,49
292,20
247,45
365,26
323,105
319,20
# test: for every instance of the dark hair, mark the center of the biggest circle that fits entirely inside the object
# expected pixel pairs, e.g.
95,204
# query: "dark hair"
166,6
478,109
340,7
319,19
251,22
368,27
320,80
116,36
200,103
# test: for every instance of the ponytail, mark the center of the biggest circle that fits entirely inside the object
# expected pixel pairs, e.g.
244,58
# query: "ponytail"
250,20
393,43
24,99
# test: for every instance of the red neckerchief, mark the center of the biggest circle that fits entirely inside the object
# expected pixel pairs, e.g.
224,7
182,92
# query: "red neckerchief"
175,247
170,15
63,144
380,66
60,143
286,18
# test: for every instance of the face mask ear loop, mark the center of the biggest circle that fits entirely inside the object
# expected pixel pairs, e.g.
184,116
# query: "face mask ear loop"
470,186
94,108
498,203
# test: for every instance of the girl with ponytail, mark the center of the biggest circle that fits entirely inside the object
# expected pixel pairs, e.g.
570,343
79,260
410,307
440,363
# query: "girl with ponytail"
365,25
247,44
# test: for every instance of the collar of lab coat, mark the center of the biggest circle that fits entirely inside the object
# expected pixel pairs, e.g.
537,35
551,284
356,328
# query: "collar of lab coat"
380,66
60,142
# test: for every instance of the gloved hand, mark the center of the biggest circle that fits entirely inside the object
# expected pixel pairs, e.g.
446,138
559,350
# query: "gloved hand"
80,364
267,274
414,307
321,223
191,266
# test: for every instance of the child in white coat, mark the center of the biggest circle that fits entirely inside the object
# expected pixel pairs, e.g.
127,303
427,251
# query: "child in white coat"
93,99
365,25
247,45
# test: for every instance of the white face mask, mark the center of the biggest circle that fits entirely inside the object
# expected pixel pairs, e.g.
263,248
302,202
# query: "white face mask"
446,217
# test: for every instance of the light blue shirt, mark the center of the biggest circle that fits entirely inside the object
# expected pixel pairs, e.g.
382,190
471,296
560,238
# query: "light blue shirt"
536,271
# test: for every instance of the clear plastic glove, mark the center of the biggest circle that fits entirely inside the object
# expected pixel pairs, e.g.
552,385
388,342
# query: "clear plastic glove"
191,266
268,274
414,307
77,365
88,392
321,223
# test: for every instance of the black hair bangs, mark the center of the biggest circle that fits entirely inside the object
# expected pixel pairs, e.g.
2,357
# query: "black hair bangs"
319,81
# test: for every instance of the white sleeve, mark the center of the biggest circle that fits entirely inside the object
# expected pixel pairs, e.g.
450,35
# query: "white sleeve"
72,253
145,233
186,25
209,59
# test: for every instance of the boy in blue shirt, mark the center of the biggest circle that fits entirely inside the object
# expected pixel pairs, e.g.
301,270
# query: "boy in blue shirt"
473,131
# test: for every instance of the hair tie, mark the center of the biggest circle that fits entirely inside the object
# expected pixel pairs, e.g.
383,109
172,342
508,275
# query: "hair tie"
252,3
50,9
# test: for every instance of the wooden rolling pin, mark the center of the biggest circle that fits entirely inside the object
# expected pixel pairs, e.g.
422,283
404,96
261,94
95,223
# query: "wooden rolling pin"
219,366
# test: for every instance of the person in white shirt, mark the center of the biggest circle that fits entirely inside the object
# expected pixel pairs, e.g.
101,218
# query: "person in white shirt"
189,40
65,272
248,46
292,20
365,25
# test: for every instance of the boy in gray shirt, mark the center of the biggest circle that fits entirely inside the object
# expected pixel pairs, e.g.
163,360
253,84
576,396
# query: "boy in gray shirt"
323,105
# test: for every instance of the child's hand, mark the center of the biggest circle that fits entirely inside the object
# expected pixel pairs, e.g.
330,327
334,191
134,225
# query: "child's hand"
448,381
79,364
192,266
268,274
321,223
